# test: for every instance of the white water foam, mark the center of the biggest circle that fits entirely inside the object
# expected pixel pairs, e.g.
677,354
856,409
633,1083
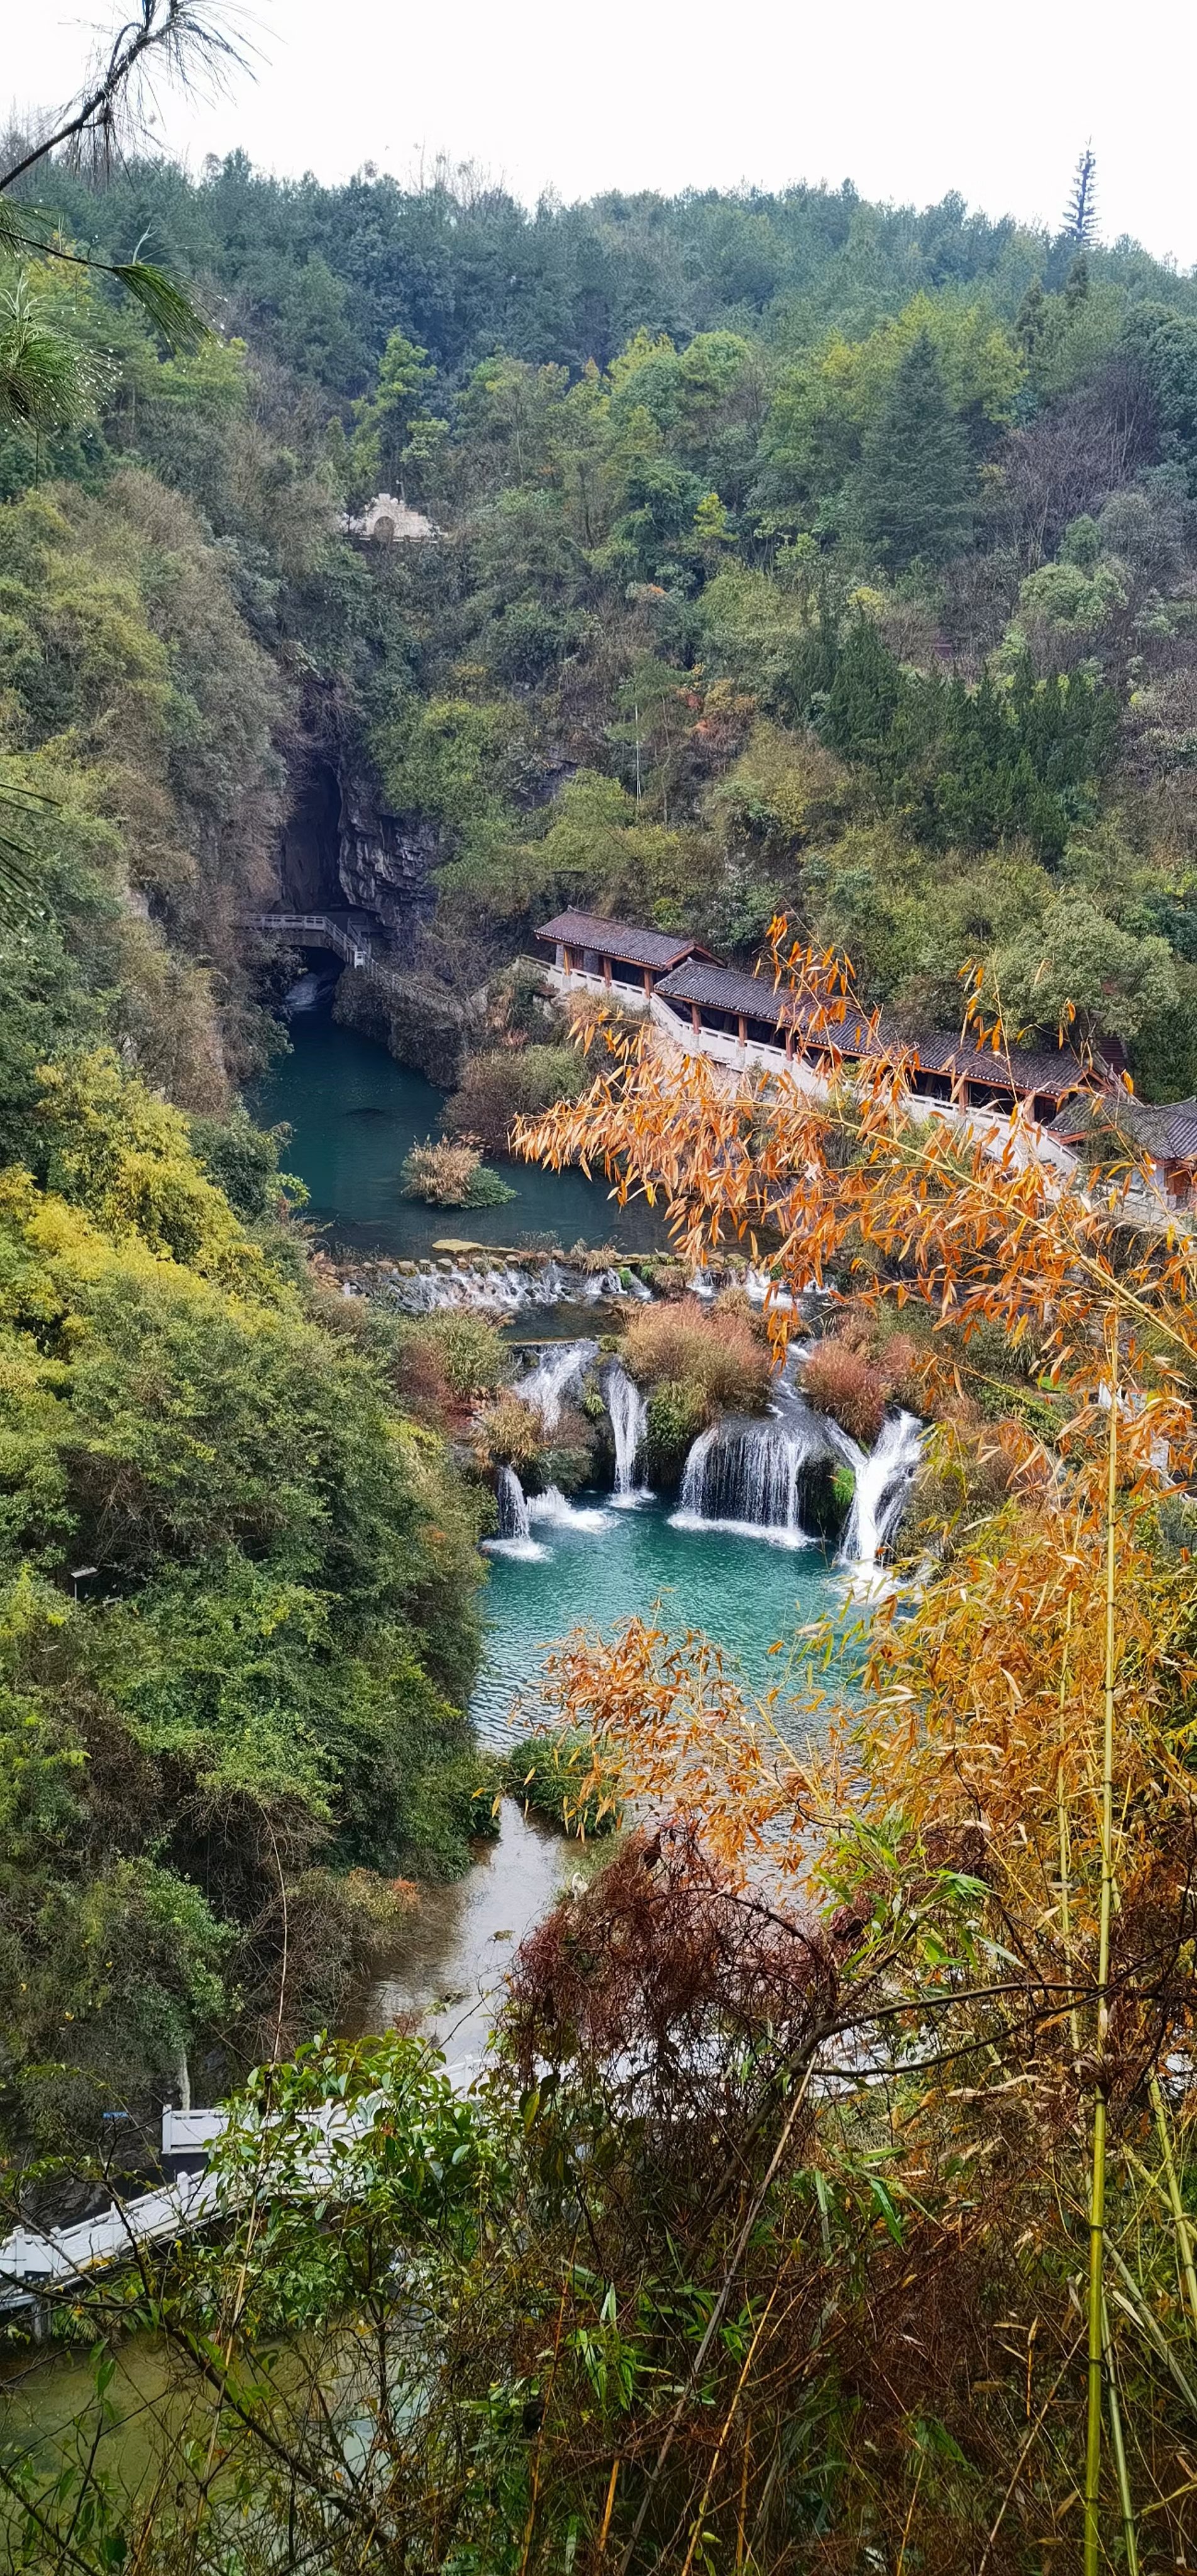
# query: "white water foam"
773,1533
493,1289
555,1511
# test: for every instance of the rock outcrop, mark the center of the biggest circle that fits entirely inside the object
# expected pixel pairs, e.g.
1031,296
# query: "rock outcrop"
385,864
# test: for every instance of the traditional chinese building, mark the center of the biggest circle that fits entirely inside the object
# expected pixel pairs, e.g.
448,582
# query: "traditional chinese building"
746,1018
741,1020
1117,1129
614,956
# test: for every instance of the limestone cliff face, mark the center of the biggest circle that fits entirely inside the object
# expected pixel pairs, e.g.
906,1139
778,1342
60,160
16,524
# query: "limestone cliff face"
339,846
385,864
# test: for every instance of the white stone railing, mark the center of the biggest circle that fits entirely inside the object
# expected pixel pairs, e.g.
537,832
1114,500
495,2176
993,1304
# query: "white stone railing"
629,997
990,1126
356,947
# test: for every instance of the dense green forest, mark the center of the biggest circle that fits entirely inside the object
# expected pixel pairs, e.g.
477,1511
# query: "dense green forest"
793,553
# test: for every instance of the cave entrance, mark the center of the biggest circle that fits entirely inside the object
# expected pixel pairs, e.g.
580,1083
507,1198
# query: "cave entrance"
309,868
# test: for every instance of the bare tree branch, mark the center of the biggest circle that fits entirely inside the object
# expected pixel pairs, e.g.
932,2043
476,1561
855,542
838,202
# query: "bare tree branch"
196,44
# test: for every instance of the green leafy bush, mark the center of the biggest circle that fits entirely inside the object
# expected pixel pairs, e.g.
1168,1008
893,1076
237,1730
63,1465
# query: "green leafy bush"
678,1410
546,1774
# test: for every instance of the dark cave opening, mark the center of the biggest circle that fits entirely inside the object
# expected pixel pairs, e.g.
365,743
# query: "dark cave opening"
309,873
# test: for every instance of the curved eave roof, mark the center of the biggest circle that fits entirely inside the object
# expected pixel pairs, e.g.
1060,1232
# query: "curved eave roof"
657,949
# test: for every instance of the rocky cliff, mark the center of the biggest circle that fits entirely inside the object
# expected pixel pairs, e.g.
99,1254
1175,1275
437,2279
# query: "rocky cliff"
340,847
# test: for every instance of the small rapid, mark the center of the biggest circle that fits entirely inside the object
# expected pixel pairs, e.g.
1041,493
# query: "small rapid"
492,1287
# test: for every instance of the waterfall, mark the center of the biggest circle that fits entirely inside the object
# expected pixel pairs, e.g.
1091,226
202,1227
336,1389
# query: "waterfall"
628,1410
513,1508
491,1285
560,1369
515,1530
883,1477
748,1476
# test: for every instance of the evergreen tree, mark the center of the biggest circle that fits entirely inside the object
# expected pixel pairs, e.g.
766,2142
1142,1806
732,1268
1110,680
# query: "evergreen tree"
1080,214
914,489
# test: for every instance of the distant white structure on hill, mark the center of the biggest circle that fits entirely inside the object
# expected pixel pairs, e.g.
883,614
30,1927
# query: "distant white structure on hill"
388,522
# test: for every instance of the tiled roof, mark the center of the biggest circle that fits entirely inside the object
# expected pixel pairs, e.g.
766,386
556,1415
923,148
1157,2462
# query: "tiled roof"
719,988
722,989
623,939
1167,1130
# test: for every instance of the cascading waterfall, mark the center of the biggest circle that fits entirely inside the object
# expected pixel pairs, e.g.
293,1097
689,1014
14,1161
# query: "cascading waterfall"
515,1523
498,1287
513,1506
628,1411
743,1474
750,1475
882,1477
559,1370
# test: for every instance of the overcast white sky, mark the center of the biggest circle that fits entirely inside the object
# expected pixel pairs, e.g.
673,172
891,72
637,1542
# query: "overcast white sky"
907,97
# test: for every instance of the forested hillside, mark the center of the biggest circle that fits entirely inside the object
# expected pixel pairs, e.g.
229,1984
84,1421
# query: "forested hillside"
782,556
793,553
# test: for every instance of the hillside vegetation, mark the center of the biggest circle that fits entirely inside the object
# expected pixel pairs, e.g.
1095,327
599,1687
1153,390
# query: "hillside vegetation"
794,553
790,555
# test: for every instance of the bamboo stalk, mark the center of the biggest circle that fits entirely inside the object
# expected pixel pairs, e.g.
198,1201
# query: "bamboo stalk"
1074,2019
1097,2194
742,2514
602,2539
1179,2213
1119,2449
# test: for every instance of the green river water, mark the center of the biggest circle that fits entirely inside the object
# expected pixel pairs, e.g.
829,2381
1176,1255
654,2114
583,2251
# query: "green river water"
355,1115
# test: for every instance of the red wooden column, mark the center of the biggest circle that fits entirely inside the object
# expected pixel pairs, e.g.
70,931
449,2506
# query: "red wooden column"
743,1028
695,1022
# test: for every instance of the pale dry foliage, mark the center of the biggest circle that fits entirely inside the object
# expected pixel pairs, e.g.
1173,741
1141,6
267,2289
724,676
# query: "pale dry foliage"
973,1724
